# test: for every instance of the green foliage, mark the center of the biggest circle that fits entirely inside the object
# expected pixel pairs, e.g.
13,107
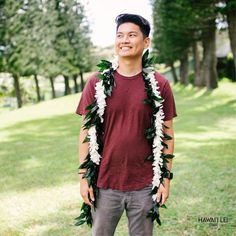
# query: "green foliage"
104,64
154,213
191,78
85,216
44,37
177,24
226,68
174,31
72,42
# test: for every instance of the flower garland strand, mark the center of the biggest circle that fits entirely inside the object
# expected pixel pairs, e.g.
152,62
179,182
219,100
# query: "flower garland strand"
154,133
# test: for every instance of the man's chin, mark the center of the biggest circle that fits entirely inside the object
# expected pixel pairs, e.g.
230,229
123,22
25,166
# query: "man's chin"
129,56
126,55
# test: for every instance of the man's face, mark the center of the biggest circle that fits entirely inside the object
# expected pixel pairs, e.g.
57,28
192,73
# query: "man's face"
130,42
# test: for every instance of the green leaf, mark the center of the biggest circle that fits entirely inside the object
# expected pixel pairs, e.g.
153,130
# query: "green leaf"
154,213
107,63
150,158
94,109
158,221
169,156
87,139
80,222
104,64
163,206
90,106
147,101
166,127
167,137
154,190
144,58
164,145
100,76
165,161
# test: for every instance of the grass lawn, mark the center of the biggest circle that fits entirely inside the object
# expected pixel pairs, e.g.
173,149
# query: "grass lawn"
39,190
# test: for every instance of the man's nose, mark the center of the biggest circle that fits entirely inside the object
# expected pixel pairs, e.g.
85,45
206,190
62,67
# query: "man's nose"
125,39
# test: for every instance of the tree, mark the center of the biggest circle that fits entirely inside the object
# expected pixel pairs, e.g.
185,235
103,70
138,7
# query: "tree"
12,41
230,10
46,38
72,42
207,12
178,25
174,33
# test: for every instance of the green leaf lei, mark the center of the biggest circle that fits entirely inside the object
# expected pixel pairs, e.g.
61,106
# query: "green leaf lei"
92,119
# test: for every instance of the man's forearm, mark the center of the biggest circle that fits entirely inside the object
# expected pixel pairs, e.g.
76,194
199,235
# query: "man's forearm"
170,150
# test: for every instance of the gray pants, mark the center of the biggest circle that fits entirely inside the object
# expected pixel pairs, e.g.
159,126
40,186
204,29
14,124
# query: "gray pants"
112,203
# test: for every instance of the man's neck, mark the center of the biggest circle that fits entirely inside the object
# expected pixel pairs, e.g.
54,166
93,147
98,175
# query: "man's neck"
129,67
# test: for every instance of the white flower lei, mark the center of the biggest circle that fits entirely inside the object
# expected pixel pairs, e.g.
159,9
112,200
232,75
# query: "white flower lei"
159,116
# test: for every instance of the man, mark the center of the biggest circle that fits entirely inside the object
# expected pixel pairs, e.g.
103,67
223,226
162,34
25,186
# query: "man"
125,176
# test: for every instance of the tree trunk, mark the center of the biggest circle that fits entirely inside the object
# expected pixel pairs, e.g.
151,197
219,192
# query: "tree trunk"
67,85
231,19
37,87
52,87
17,90
209,72
75,83
173,71
197,66
81,80
184,68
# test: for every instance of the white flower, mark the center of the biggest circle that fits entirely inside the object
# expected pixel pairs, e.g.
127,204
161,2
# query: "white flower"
148,70
93,145
107,70
101,99
154,197
157,146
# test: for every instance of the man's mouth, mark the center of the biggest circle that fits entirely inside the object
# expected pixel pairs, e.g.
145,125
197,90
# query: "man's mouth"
125,48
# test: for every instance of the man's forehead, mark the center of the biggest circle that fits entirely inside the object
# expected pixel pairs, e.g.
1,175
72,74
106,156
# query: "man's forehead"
128,27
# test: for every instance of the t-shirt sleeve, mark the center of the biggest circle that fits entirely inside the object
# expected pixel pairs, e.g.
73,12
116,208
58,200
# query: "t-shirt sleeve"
169,107
87,96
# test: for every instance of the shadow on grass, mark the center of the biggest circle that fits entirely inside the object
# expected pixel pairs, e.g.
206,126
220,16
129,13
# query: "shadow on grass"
39,153
202,114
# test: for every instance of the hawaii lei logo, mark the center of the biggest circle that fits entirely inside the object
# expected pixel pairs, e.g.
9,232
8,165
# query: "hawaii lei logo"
155,134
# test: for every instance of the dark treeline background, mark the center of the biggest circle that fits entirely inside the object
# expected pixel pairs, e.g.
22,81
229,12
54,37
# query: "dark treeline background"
184,29
44,39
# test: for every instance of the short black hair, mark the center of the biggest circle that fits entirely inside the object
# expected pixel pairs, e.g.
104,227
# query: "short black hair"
143,24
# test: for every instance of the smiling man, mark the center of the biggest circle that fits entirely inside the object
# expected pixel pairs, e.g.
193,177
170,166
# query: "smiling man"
125,177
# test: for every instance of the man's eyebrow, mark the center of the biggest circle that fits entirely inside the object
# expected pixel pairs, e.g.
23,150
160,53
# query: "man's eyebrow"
121,32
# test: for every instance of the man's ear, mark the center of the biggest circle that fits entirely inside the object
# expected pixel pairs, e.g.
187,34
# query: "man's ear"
147,42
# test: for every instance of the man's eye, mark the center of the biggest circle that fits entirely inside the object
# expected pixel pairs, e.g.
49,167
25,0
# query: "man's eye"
118,35
132,35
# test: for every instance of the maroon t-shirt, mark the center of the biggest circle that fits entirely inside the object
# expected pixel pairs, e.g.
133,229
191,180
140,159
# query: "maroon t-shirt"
125,147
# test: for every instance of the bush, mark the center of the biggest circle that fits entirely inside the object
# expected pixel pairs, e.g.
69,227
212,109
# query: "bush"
226,68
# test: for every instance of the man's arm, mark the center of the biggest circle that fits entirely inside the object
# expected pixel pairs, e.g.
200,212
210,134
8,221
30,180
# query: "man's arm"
85,191
163,191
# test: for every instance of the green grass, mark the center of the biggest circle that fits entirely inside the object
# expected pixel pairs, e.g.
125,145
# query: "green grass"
39,190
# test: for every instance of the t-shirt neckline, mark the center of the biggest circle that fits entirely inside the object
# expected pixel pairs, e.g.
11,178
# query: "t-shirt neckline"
128,77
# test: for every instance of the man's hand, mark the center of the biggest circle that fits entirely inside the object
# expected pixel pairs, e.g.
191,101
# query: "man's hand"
86,192
163,192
